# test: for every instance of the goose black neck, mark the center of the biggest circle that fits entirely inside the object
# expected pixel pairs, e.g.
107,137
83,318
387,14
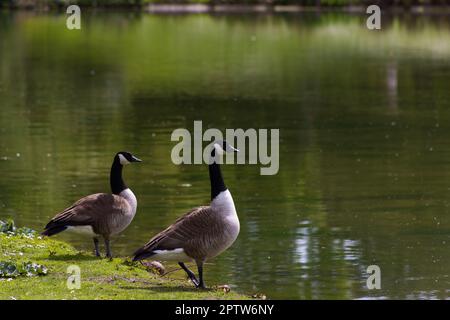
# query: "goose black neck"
215,176
115,178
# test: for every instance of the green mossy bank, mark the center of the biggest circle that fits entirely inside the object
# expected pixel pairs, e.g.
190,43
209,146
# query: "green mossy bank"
45,274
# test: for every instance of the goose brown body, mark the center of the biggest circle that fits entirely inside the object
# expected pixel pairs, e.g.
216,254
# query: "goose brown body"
100,214
202,233
107,214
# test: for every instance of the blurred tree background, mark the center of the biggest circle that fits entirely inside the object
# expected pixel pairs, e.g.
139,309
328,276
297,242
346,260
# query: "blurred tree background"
138,3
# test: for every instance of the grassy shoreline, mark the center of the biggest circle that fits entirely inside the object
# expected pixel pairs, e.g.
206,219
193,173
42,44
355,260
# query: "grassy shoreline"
100,277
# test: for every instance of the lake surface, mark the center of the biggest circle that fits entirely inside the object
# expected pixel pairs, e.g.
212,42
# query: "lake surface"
364,119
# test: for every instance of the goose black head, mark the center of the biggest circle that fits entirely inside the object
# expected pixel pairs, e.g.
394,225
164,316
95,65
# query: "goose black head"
126,158
222,146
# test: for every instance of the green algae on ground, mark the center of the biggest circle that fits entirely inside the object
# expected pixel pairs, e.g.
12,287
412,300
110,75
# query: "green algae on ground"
11,269
9,227
100,278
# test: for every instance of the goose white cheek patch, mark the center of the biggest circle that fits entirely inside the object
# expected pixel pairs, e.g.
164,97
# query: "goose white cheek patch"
219,149
123,160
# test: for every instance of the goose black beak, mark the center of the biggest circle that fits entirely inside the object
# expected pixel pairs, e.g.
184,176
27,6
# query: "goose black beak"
134,159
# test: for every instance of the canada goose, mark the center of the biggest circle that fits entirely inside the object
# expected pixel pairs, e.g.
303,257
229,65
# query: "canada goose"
100,214
202,233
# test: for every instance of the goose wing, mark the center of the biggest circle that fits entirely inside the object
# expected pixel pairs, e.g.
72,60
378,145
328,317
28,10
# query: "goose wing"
180,234
87,211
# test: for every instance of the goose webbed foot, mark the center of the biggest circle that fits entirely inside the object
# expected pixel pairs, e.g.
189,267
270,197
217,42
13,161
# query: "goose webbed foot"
200,286
195,281
189,273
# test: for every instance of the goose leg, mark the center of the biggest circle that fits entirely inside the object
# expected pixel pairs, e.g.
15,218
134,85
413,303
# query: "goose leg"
97,252
108,248
200,275
190,274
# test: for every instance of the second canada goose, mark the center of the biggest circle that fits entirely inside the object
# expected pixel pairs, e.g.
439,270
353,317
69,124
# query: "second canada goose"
100,214
202,233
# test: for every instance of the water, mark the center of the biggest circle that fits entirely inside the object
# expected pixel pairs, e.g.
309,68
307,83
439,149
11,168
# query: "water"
364,121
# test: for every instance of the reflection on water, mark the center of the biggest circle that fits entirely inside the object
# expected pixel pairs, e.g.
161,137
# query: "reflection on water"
364,122
392,86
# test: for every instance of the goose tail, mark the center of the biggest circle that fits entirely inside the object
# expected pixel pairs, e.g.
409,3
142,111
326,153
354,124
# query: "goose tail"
142,254
50,231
